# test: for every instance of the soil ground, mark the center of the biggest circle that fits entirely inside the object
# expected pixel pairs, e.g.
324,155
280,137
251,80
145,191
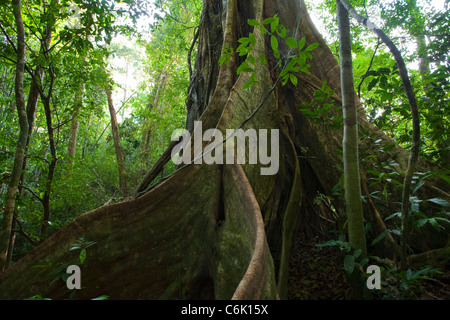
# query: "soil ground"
317,273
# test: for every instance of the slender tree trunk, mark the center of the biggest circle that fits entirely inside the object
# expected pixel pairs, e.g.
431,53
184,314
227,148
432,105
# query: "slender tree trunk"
8,213
33,97
354,210
424,62
117,145
413,157
31,114
74,129
51,168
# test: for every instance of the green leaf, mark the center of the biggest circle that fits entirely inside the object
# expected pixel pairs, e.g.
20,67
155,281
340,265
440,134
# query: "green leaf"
396,214
82,256
244,67
349,263
274,24
102,297
244,40
281,31
440,202
252,38
435,224
381,236
409,274
251,59
294,79
301,43
311,47
372,84
274,43
224,59
268,20
253,22
445,175
262,59
291,42
389,147
417,187
250,82
357,253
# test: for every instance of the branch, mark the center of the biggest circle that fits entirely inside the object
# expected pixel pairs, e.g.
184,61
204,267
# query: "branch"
9,59
20,230
33,193
190,52
7,37
368,69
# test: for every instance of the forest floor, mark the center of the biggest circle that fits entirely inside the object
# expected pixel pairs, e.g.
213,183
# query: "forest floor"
317,273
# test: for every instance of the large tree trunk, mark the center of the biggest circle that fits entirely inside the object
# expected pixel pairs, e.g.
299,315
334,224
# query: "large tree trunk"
224,231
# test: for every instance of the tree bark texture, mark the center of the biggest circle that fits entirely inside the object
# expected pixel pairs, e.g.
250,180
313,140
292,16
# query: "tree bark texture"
117,145
72,147
225,231
352,185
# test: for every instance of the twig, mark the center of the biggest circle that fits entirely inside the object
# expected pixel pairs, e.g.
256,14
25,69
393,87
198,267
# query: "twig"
26,236
33,193
368,69
190,52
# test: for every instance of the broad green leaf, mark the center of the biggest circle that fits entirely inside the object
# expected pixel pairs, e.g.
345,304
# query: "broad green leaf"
349,263
281,31
291,42
294,79
274,43
396,214
252,38
357,253
311,47
389,147
253,22
262,59
409,274
417,187
244,40
440,202
372,84
381,236
224,59
251,59
268,20
250,82
435,224
301,43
